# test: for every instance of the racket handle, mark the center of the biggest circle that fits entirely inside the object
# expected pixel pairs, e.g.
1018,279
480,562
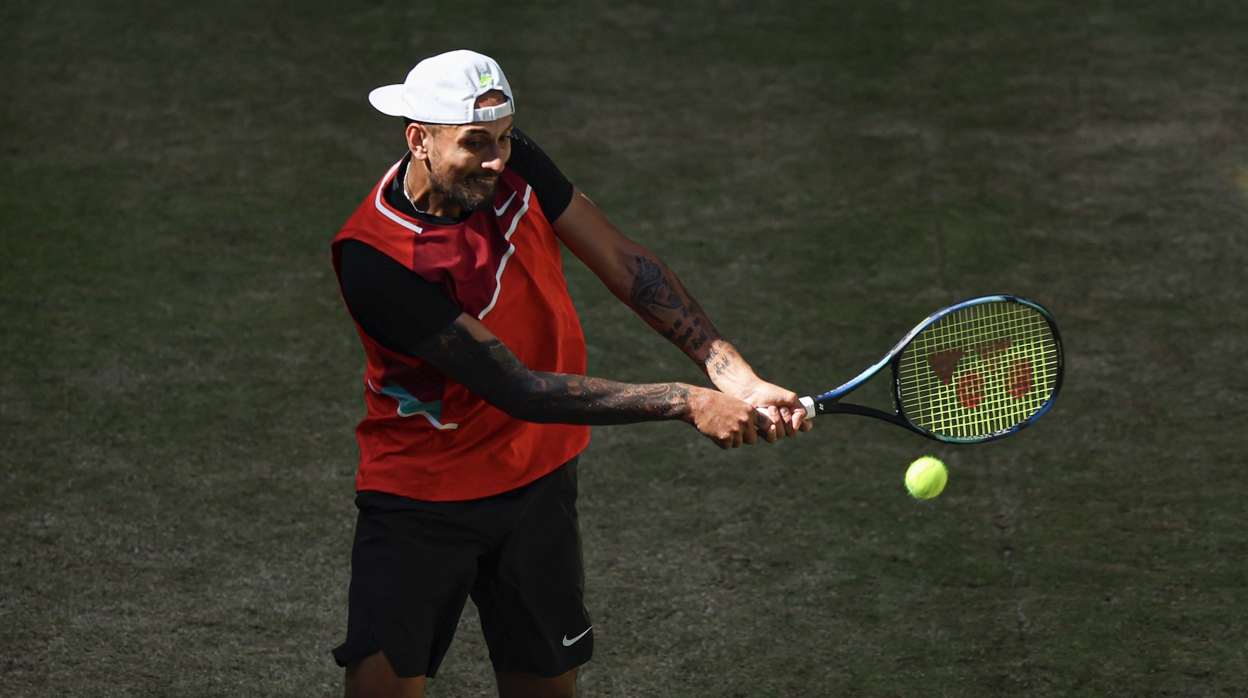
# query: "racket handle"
809,404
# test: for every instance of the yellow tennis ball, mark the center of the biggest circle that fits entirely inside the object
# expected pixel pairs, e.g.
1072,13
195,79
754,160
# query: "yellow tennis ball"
926,477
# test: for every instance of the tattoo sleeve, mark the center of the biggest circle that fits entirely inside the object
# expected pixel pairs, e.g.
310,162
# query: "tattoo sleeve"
488,368
660,299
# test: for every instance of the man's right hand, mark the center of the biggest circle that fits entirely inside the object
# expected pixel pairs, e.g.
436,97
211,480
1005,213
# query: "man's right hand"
724,419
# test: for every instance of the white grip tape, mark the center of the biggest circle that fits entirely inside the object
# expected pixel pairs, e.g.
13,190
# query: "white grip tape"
809,404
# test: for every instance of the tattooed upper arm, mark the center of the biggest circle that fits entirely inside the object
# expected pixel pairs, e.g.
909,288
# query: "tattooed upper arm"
469,354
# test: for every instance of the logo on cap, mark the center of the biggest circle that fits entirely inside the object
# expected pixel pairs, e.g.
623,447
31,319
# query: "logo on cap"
485,80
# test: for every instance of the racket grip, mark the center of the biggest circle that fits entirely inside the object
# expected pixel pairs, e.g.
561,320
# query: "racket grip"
809,404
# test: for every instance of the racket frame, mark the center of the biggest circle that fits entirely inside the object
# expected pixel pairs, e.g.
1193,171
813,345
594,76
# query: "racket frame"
830,402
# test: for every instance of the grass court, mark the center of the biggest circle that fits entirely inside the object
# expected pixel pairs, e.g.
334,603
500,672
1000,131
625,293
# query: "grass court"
179,379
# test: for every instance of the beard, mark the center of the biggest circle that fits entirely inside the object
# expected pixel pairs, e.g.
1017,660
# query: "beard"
472,193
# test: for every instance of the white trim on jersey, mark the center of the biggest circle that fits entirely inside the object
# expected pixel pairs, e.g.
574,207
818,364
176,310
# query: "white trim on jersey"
387,212
498,278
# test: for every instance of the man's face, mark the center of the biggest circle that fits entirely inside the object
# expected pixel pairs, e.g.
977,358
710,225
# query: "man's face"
465,161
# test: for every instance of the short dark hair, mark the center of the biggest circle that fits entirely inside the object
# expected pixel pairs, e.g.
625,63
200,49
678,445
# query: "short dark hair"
433,129
408,122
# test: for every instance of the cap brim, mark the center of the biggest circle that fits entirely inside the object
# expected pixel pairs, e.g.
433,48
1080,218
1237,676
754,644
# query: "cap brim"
388,100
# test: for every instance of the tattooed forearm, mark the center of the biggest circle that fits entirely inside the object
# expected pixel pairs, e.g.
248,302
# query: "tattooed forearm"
484,365
569,399
651,290
719,360
661,299
491,370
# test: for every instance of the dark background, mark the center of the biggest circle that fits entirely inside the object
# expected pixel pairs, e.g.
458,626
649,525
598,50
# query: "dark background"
179,380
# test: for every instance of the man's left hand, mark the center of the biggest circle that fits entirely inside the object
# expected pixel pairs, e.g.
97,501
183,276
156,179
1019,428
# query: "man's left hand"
781,407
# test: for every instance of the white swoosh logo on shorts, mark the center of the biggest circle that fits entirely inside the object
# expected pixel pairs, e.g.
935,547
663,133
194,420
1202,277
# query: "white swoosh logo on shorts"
499,212
569,643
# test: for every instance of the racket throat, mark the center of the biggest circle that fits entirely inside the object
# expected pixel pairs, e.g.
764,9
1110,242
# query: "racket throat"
815,407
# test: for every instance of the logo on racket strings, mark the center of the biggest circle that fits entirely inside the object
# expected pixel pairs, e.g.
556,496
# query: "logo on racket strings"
971,385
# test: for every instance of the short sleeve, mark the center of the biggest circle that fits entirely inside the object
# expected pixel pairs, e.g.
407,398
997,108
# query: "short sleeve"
553,190
394,305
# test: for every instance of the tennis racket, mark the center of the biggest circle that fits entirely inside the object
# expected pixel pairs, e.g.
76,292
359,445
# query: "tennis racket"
973,372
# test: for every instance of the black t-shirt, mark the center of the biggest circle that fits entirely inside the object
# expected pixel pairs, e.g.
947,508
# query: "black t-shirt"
397,307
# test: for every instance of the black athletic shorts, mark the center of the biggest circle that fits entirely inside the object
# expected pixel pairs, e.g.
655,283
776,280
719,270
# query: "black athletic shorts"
518,554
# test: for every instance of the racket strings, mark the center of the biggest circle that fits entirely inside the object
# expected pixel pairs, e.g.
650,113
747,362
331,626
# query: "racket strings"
979,371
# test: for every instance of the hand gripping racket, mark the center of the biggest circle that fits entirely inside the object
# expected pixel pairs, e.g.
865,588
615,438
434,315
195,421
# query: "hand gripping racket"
973,372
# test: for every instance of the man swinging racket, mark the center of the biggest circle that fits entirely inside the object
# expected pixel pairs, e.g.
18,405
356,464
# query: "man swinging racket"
478,405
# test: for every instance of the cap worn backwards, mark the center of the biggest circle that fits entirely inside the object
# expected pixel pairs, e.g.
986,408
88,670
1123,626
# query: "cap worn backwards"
443,89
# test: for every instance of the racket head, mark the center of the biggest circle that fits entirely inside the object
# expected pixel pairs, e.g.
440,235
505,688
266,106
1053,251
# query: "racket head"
979,370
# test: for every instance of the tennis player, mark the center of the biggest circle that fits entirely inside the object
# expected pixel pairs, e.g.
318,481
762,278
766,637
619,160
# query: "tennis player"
477,402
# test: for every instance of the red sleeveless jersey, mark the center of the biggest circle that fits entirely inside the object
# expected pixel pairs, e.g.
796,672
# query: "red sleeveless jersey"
425,436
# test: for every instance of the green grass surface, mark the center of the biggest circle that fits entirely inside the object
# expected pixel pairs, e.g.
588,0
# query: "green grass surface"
179,380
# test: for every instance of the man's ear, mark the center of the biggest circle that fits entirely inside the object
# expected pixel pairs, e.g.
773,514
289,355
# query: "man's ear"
419,137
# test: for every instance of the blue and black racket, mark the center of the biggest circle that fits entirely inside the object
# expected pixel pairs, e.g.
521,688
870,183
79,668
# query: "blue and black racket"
973,372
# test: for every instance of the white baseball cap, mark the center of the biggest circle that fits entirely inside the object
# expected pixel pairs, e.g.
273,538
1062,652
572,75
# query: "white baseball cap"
443,89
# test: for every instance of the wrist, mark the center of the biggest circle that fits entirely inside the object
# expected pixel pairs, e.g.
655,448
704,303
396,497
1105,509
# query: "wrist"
736,379
695,397
727,370
739,384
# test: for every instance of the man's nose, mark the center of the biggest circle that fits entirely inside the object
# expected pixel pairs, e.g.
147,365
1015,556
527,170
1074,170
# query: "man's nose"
493,160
